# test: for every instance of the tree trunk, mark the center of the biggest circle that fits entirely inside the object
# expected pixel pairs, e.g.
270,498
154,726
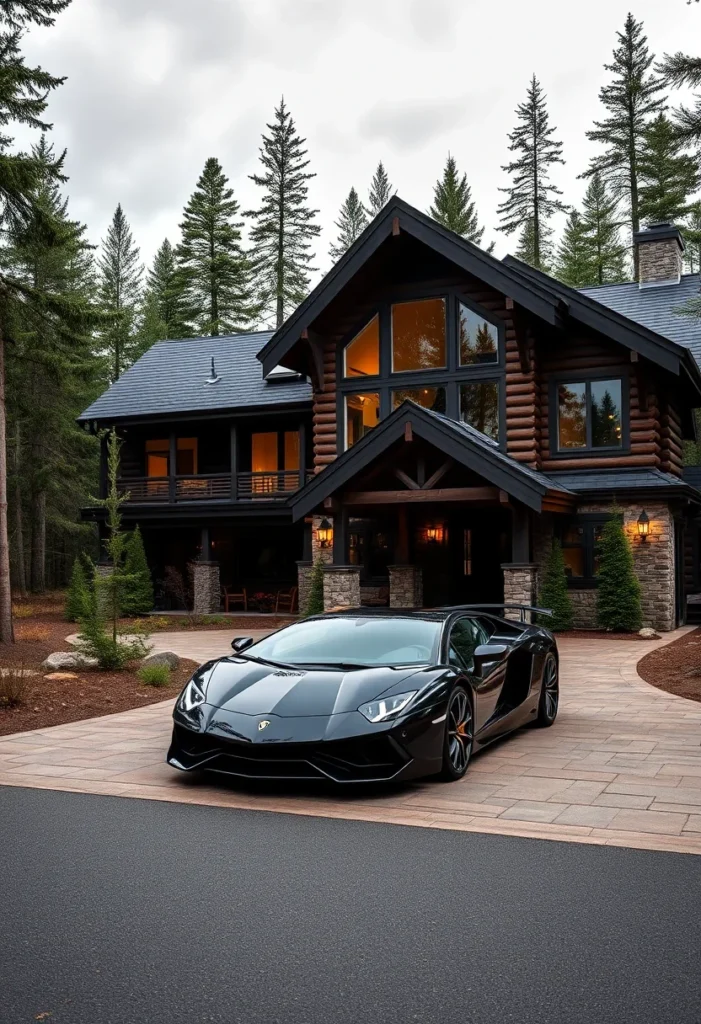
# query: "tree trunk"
20,571
39,541
6,631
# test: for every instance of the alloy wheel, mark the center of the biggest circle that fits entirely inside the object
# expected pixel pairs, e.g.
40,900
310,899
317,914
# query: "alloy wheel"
459,731
551,689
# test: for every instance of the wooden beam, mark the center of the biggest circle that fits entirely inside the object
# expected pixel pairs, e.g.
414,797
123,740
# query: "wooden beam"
406,479
486,494
503,498
438,475
509,302
408,433
395,225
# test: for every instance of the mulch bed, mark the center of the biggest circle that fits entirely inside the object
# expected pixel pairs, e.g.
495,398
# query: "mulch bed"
596,634
675,668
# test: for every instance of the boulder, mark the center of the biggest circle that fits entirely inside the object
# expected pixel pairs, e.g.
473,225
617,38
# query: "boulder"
648,634
68,659
168,658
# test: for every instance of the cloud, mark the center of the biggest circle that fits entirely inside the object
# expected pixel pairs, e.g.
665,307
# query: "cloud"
409,124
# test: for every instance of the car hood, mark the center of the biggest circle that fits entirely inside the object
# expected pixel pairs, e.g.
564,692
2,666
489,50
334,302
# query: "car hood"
252,689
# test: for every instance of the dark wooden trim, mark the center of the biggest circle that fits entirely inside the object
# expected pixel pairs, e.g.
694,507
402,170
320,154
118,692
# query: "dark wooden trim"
233,448
520,534
468,494
340,537
406,480
172,464
438,475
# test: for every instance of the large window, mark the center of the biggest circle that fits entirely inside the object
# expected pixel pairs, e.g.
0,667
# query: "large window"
272,451
362,414
479,406
158,457
430,398
580,540
589,415
418,335
479,339
362,354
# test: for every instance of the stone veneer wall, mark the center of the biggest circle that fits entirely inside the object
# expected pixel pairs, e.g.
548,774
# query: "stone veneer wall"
341,587
405,586
520,584
304,585
660,260
206,589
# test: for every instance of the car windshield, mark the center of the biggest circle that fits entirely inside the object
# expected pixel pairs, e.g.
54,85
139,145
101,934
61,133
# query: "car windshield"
353,641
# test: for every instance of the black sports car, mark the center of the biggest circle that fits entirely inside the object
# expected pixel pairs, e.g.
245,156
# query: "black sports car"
366,695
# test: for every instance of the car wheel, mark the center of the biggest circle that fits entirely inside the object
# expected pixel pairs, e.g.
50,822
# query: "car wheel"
549,693
457,745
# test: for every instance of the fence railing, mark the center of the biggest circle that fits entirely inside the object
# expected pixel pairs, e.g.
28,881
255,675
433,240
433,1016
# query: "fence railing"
265,486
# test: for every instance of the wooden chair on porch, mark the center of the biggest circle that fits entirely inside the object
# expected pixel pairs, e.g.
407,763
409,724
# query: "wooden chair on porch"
286,600
232,597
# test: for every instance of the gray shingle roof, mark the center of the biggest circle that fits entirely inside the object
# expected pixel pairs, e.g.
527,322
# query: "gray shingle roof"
582,480
170,378
656,308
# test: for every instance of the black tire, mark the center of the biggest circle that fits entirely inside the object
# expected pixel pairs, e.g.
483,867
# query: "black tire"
549,693
459,736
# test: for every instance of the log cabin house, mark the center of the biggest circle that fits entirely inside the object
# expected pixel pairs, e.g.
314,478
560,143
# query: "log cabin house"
426,422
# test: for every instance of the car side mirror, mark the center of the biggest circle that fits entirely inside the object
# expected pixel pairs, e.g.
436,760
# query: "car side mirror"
240,643
485,654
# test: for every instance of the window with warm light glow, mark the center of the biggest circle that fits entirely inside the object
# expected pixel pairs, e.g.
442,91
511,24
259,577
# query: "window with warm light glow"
418,335
157,457
186,456
429,398
264,452
362,414
362,354
589,415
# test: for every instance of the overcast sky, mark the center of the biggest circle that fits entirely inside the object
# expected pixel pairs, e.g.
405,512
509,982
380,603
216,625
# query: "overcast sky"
154,87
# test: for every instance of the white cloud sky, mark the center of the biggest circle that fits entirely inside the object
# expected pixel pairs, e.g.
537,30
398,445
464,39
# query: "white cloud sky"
154,87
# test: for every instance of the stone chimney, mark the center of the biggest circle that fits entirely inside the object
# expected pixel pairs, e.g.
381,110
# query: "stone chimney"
660,248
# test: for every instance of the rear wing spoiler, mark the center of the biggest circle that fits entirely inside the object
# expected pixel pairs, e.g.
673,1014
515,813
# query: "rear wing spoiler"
523,609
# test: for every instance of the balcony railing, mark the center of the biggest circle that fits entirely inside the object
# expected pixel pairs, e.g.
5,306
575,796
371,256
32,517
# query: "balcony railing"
162,490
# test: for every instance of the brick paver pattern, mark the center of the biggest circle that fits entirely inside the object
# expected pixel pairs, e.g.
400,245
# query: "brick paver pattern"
621,766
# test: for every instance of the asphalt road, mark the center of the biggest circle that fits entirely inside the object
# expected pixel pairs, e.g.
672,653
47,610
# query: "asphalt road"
119,911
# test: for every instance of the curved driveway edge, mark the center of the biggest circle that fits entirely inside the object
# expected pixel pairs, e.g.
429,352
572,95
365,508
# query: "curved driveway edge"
620,767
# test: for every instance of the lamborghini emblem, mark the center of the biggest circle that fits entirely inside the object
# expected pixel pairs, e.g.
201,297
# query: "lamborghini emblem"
263,725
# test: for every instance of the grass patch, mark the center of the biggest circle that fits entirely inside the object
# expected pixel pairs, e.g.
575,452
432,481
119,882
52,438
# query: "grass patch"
13,686
33,633
154,675
22,611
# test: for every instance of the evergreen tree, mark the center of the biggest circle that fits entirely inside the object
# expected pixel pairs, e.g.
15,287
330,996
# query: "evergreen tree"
668,176
380,191
315,601
618,605
164,288
351,222
691,231
554,594
284,224
631,99
138,592
120,286
453,205
531,198
601,227
78,599
526,247
574,262
679,70
214,270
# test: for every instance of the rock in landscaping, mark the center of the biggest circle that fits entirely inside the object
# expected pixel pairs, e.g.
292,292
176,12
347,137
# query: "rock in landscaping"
58,676
648,634
168,658
68,659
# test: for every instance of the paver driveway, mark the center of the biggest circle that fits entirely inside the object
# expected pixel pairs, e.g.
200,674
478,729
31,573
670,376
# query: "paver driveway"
621,766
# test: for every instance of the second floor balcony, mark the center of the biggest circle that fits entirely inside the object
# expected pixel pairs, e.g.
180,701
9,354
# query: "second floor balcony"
265,485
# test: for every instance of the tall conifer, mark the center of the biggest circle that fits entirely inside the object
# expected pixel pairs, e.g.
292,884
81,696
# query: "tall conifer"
631,99
679,70
574,264
165,285
120,285
453,205
691,231
214,270
352,220
602,228
532,198
668,176
380,191
284,223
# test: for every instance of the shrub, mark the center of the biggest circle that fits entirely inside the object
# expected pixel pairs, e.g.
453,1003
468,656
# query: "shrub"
137,598
13,686
22,611
315,601
78,597
154,675
618,605
175,588
554,593
112,653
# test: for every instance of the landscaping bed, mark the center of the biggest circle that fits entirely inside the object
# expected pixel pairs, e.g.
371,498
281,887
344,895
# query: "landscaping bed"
675,668
595,634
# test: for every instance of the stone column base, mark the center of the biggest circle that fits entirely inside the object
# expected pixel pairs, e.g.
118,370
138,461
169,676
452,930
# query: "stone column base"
304,585
406,589
520,584
206,589
341,587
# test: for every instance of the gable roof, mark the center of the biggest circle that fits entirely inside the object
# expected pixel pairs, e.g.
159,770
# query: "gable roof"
644,481
463,443
170,379
528,293
656,308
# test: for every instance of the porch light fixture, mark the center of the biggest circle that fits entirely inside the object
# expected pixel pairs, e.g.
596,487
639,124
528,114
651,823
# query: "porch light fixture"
324,533
434,533
643,526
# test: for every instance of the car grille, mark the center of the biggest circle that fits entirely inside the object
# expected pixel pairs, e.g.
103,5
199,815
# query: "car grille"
357,760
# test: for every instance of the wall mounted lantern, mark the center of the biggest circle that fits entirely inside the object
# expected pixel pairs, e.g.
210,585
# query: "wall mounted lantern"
434,533
643,526
324,533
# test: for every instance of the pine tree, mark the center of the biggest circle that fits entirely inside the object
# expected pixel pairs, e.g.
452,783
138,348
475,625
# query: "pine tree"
164,286
618,605
120,286
284,224
526,247
352,221
453,205
668,176
679,70
78,599
691,231
138,592
602,230
631,99
315,601
214,270
531,198
554,594
380,191
574,263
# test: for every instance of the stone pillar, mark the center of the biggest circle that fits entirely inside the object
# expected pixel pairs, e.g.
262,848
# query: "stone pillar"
206,590
304,585
520,586
405,586
341,587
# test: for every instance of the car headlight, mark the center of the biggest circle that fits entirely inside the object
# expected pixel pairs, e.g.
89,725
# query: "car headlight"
191,697
386,707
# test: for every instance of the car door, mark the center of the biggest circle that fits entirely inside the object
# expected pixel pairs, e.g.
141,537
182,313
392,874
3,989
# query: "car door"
466,635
